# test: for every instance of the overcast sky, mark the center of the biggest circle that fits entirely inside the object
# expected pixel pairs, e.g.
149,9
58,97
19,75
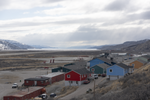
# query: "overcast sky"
61,23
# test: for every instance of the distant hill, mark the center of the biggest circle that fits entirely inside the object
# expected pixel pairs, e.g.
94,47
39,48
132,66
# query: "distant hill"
41,46
142,47
123,46
10,44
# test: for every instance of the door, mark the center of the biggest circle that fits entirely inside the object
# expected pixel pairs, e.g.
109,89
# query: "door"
35,83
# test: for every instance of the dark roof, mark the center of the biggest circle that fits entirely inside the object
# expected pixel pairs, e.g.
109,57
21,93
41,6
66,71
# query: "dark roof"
123,65
130,66
144,62
103,65
78,65
37,79
74,67
82,71
146,56
106,60
81,63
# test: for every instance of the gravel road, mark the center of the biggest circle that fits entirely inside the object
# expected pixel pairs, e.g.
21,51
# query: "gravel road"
83,88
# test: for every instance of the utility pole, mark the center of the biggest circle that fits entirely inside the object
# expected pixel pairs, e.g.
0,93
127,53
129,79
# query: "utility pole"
94,88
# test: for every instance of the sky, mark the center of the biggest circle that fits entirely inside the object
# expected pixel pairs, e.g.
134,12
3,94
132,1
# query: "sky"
65,23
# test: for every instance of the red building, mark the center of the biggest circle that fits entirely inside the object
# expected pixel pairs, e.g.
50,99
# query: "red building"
36,82
76,77
54,77
26,94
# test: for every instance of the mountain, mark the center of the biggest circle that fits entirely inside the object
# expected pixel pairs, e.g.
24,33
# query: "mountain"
123,45
41,46
142,47
10,44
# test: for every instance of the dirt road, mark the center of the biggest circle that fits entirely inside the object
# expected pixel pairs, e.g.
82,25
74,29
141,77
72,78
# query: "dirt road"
83,88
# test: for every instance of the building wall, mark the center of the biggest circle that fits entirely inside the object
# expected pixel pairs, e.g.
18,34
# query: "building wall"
73,83
84,77
131,70
137,64
97,70
114,77
57,78
95,62
144,59
116,70
38,83
73,76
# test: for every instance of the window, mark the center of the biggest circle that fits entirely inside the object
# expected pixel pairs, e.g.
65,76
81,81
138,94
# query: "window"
110,70
76,82
93,69
84,75
26,81
133,65
42,82
68,76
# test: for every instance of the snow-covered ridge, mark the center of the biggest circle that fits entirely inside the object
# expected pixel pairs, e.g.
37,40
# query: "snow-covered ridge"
11,44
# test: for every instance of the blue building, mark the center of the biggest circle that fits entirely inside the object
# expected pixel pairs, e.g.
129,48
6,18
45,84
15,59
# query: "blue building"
101,60
117,71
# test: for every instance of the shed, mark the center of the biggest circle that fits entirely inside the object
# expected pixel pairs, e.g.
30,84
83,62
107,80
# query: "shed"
54,77
36,81
26,94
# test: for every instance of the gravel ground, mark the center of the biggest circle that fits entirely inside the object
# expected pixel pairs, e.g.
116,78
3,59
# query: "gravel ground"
15,77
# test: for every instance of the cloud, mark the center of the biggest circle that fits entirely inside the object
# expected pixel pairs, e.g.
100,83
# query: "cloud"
87,35
26,13
117,5
4,3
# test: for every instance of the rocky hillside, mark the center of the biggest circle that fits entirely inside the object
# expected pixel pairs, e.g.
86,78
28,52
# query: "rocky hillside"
124,45
143,47
10,44
132,87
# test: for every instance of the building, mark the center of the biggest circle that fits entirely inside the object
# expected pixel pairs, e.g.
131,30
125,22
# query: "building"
101,60
117,71
53,77
137,63
36,82
99,69
70,66
145,58
76,77
26,94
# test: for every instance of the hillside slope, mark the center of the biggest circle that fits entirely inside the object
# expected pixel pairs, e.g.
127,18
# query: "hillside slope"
143,47
132,87
123,45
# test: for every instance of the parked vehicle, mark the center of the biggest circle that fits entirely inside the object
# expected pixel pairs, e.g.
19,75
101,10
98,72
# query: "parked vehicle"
95,76
99,74
15,85
52,95
103,75
86,82
89,90
43,96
